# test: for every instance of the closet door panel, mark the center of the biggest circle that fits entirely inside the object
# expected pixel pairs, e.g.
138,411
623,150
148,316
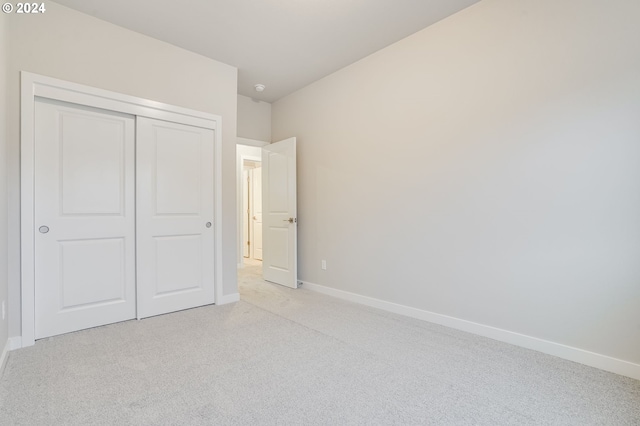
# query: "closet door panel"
85,219
175,237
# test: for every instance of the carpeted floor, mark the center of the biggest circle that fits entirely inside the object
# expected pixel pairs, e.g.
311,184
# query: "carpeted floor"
283,356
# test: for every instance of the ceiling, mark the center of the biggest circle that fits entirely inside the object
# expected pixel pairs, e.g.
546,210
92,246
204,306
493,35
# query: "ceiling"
283,44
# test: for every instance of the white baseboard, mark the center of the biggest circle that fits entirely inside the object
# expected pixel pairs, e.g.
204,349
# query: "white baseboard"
15,343
592,359
229,298
3,357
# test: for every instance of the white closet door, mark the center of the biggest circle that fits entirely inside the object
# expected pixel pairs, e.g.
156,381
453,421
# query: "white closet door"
175,232
84,216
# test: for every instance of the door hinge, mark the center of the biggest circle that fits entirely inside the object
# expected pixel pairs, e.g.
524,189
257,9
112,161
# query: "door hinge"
248,243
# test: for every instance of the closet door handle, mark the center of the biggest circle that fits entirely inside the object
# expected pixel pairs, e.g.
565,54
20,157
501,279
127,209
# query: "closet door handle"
208,224
43,229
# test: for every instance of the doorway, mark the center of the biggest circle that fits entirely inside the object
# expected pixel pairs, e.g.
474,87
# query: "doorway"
273,168
252,208
248,158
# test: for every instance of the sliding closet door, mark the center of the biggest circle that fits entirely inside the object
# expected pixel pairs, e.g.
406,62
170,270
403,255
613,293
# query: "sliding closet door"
175,232
84,218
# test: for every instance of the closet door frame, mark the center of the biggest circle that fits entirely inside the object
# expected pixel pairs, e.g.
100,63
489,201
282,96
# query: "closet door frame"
38,86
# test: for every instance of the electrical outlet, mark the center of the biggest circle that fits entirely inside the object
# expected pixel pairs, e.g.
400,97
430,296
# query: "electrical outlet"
324,264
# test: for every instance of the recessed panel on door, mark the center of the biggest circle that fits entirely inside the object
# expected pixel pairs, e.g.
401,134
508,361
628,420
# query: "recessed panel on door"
92,168
177,171
175,238
277,175
85,219
279,254
178,264
101,279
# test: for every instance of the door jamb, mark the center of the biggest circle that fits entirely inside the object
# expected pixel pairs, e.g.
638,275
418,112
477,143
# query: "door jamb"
34,85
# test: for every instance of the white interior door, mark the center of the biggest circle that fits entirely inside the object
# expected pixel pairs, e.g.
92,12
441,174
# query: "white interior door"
246,214
280,224
256,204
84,216
175,232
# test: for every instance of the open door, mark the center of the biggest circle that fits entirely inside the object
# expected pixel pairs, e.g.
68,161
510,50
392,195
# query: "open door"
279,213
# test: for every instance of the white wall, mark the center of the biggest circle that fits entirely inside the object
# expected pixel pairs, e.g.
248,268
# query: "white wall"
486,168
254,119
69,45
4,288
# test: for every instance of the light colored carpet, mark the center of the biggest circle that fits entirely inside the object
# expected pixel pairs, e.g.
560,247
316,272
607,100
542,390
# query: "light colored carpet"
283,356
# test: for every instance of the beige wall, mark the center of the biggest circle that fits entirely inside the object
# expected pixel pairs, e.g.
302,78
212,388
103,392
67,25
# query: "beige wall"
254,119
486,168
4,288
69,45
